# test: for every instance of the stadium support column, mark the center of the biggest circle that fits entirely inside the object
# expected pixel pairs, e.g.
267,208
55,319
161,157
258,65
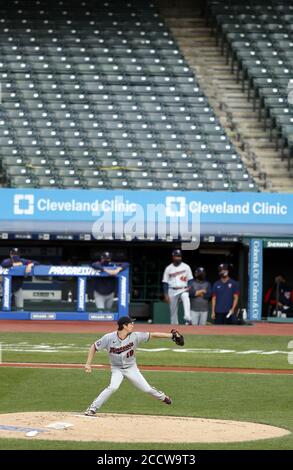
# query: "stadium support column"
123,292
255,279
7,287
242,274
81,294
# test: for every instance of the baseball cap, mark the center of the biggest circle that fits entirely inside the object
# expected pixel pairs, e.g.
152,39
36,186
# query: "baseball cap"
199,270
176,253
223,267
14,251
124,321
106,255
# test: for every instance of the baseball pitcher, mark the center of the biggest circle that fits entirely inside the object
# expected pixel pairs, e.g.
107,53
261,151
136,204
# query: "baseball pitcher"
121,346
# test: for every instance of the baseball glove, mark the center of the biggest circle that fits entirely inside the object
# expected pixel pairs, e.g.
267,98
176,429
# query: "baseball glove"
177,337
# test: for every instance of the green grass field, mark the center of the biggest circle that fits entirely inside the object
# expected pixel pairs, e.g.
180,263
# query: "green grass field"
258,398
216,351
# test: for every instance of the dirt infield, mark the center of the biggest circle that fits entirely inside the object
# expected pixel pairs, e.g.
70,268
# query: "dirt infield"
261,328
231,370
168,429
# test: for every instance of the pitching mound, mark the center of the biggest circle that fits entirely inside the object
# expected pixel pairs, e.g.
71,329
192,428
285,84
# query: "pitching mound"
130,428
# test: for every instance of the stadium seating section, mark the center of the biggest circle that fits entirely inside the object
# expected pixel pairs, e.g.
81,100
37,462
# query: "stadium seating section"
96,94
257,36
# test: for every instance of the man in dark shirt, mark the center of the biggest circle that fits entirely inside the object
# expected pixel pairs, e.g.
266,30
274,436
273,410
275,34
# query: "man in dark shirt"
225,296
200,294
105,287
13,261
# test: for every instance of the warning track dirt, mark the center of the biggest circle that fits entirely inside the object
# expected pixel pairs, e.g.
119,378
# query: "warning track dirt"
46,365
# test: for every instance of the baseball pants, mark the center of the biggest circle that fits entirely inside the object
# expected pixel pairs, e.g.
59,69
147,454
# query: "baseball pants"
104,301
134,376
174,302
198,318
18,298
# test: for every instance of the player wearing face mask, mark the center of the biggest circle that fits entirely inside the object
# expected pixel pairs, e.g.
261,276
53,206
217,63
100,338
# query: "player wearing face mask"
225,297
200,294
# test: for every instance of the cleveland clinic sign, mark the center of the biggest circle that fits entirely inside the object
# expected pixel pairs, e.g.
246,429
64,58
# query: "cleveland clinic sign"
149,214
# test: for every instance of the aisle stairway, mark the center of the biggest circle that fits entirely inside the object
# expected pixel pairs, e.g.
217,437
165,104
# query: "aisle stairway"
236,114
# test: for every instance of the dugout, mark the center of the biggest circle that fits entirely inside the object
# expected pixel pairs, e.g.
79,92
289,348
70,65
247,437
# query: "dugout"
277,259
147,262
223,227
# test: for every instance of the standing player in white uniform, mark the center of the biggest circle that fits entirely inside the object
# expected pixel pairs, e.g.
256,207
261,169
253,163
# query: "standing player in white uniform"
177,279
121,346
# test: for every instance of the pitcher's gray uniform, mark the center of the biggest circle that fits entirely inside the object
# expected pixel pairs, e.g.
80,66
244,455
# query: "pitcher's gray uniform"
123,364
177,278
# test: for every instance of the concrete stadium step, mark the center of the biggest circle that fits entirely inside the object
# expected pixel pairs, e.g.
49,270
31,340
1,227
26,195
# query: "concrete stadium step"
269,155
244,114
263,143
248,126
186,22
272,172
251,133
189,42
186,31
237,102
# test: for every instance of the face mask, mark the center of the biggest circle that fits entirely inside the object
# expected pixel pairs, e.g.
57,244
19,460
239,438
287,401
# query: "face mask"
176,262
224,273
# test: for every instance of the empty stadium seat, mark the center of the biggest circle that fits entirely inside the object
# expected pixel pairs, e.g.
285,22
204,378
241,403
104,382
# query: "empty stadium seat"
100,96
263,51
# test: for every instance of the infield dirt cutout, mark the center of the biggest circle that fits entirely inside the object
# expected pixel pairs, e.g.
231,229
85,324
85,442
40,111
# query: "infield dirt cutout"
132,428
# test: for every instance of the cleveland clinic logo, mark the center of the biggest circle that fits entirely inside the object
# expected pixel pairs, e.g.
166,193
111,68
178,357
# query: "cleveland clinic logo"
23,204
175,206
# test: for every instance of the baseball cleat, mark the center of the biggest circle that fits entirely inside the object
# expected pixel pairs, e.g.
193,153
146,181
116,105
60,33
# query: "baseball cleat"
90,412
167,400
